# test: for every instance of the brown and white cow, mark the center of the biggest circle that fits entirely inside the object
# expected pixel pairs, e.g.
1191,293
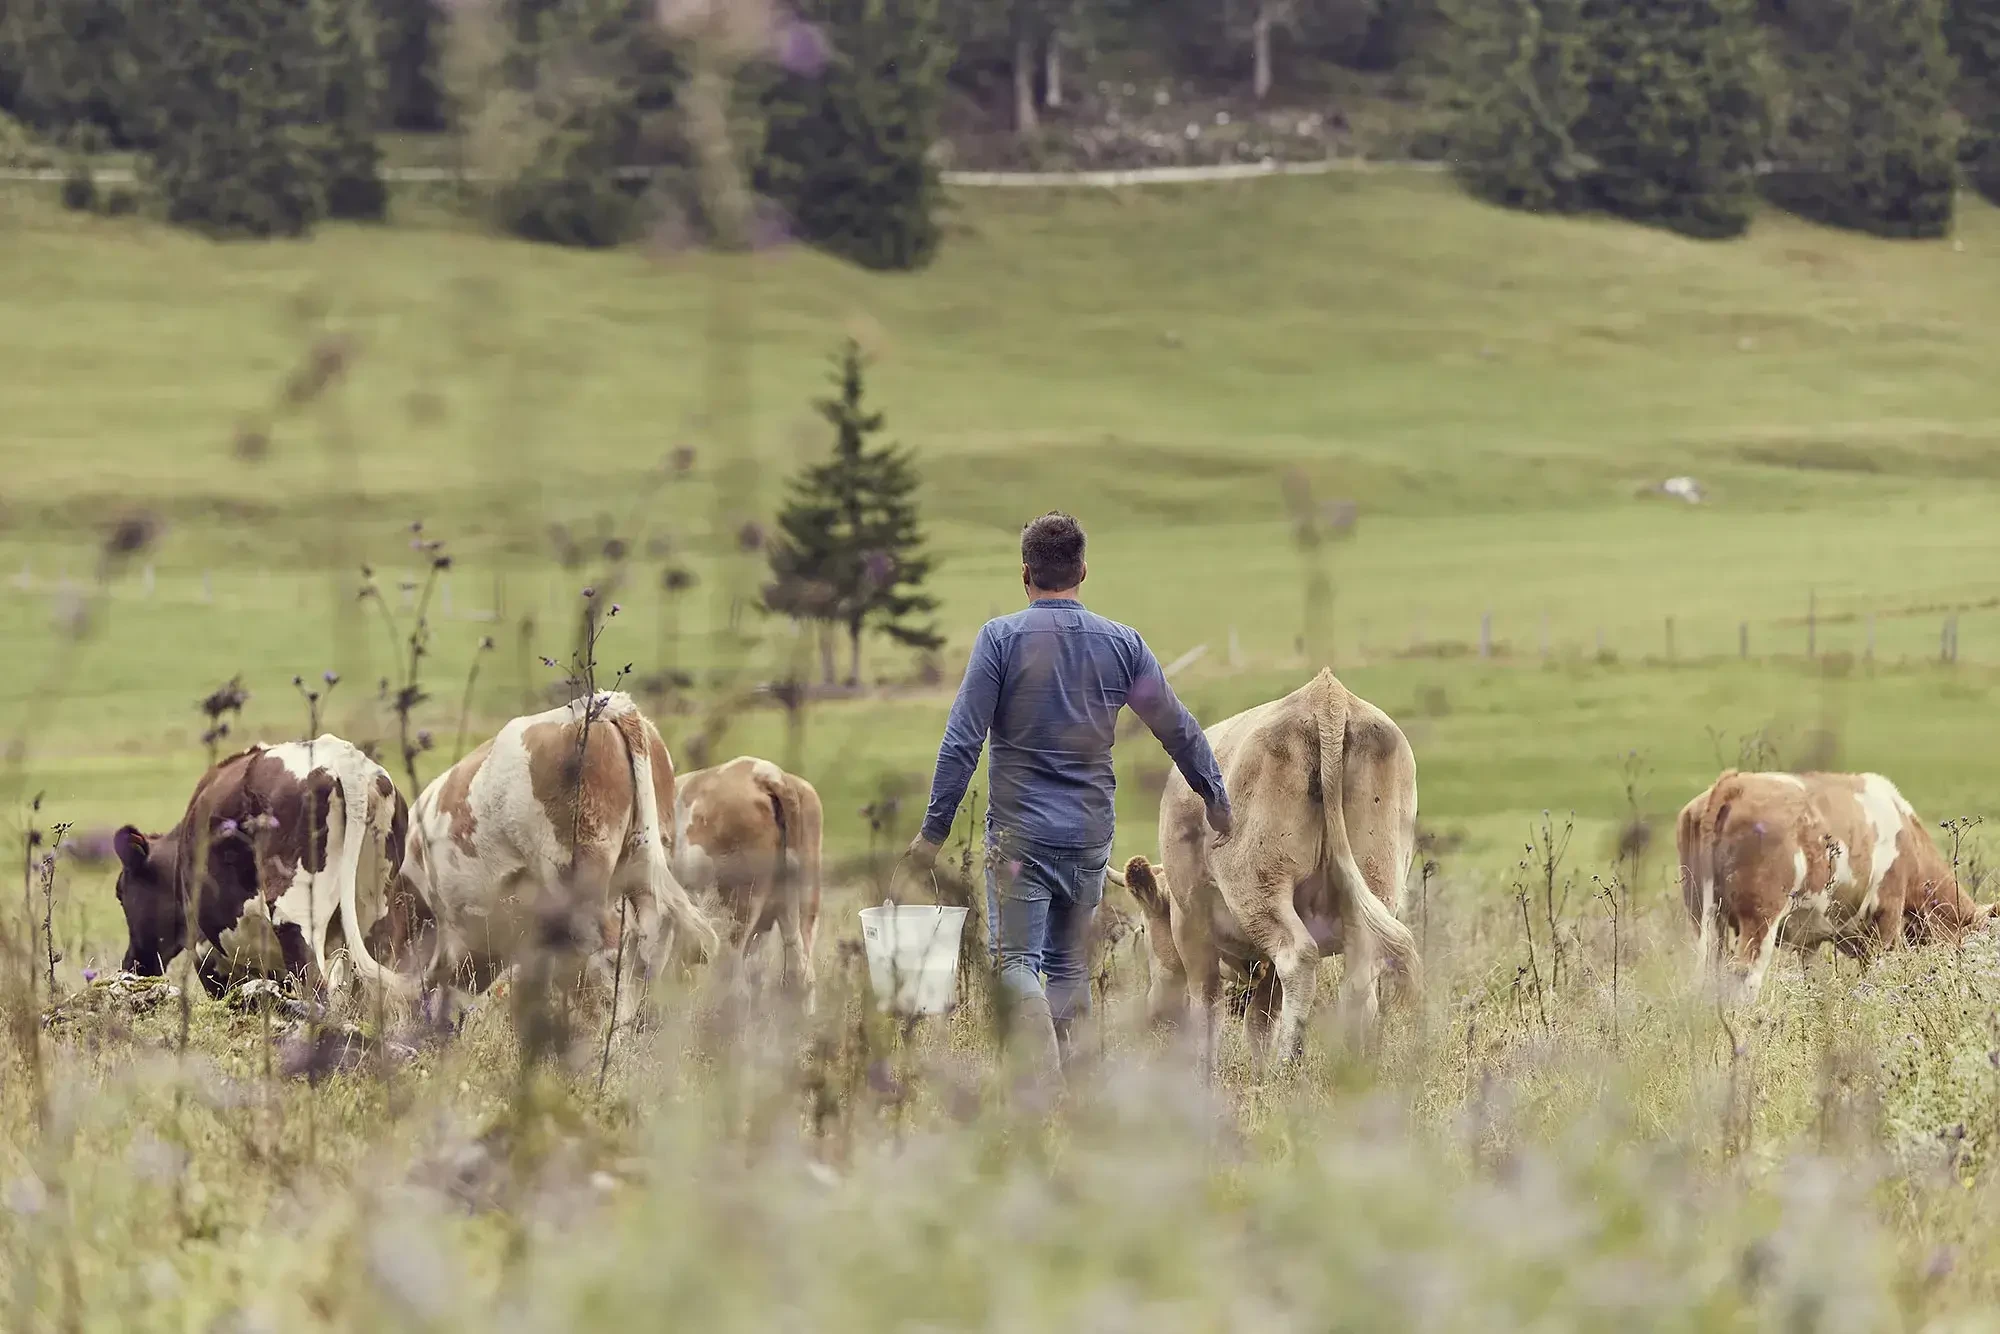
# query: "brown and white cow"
276,845
748,833
529,842
1805,859
1324,787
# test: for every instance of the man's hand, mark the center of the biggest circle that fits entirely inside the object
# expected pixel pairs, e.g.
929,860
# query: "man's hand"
921,857
1223,821
922,854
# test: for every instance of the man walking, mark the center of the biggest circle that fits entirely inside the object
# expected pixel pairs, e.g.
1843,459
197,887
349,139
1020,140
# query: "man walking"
1046,684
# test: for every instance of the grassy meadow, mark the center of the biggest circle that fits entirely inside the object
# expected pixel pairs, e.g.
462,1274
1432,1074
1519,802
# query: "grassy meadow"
1558,1137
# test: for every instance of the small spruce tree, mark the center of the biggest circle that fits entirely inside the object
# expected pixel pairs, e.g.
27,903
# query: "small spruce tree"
849,551
847,150
1869,142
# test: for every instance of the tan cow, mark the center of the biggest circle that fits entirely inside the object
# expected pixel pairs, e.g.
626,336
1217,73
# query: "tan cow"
530,842
1806,859
1300,869
748,833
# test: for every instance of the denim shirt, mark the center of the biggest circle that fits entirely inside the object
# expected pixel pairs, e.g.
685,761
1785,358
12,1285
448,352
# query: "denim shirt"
1046,684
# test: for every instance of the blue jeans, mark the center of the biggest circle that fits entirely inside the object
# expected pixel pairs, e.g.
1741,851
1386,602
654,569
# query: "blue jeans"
1039,904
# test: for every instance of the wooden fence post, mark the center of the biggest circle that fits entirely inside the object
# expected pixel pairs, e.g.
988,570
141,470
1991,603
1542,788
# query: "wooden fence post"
1670,639
1486,633
1743,640
1812,623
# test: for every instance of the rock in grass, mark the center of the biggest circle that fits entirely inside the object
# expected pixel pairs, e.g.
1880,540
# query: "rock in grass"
116,993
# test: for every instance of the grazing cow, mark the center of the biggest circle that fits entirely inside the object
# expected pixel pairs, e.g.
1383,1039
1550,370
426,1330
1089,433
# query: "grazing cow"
749,833
530,841
1325,790
1811,858
277,843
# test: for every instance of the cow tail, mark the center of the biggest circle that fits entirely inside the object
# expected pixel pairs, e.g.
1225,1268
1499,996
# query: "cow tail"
1358,903
1142,881
784,800
369,818
1705,862
798,835
668,893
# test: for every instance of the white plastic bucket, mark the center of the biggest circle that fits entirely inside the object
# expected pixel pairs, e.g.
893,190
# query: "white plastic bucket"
913,955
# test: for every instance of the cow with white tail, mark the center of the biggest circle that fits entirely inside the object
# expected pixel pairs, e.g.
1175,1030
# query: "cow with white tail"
527,847
1324,786
1808,859
278,846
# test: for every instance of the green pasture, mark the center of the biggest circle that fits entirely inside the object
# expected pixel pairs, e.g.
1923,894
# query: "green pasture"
1178,367
1552,1138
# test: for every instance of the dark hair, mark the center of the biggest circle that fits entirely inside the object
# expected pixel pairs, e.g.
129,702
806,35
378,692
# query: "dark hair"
1052,549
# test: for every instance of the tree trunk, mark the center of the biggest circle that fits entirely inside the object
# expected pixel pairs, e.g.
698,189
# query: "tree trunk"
1260,49
1052,74
1025,120
854,655
826,655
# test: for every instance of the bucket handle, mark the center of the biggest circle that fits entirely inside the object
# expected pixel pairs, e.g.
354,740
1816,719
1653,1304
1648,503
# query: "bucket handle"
936,894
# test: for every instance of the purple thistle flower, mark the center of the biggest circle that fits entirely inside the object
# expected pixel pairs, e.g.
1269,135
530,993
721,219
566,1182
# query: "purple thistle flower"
800,48
89,976
227,828
615,609
331,678
590,592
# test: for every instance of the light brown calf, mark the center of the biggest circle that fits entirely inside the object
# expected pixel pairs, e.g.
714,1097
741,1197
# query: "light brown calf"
749,833
1301,870
1806,859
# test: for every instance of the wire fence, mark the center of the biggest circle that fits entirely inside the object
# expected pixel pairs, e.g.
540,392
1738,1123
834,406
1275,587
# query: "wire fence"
1834,631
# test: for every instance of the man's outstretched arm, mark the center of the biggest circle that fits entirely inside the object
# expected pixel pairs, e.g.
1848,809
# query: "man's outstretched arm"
1180,736
964,737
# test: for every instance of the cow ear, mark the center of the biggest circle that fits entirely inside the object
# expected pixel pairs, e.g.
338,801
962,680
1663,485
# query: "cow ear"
131,847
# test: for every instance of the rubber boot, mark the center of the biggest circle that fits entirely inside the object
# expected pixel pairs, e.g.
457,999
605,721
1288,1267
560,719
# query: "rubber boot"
1070,1041
1032,1035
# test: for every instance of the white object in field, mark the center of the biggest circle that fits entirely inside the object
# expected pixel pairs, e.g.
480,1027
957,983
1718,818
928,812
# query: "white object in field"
1685,488
913,955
